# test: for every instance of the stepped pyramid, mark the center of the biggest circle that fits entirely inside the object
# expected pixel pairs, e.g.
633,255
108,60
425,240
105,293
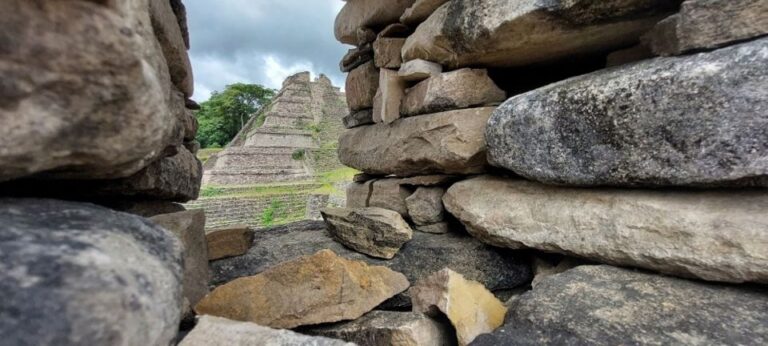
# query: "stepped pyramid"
260,154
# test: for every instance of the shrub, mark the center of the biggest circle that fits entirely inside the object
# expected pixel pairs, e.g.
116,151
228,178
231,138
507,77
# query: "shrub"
298,154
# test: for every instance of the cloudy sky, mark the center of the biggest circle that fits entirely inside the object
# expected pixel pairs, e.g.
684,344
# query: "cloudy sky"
261,41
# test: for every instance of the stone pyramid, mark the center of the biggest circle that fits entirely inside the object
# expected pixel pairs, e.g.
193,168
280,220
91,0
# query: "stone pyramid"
260,154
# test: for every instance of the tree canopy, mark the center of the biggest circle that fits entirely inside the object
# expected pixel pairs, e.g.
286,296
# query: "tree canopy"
226,112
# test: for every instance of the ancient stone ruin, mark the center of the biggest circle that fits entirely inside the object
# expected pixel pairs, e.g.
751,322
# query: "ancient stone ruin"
533,173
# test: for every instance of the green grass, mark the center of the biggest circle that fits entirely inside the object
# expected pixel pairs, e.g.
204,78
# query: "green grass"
205,154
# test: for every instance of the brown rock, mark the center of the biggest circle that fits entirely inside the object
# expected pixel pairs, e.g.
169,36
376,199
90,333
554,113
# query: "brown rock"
395,30
452,90
708,24
309,290
169,34
467,33
367,13
365,36
215,331
418,70
471,308
358,118
356,57
389,328
420,11
386,52
390,193
425,206
189,227
228,241
450,143
392,90
377,107
628,55
435,228
361,86
375,232
80,96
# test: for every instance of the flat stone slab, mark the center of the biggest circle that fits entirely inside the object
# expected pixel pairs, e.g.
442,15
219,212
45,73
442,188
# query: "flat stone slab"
712,235
375,232
603,305
217,331
697,120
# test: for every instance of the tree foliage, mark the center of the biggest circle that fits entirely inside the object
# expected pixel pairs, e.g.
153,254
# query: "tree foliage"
226,112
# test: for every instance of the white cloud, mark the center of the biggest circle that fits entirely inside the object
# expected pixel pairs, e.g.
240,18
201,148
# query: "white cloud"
277,72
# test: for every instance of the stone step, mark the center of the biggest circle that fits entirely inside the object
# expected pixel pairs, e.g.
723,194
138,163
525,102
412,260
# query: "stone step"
250,177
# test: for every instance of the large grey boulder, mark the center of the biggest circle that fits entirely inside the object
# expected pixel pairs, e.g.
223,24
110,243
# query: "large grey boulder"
449,143
217,331
707,24
78,274
86,91
699,120
713,235
497,269
503,33
603,305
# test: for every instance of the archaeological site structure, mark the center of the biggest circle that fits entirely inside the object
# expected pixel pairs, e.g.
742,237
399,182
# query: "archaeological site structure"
526,172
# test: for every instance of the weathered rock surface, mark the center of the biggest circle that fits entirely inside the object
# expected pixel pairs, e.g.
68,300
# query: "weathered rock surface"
307,290
189,227
174,48
229,241
361,86
488,32
449,142
458,89
692,121
388,328
420,11
144,208
628,55
216,331
367,13
383,193
375,232
471,308
358,118
603,305
425,206
498,269
356,57
713,235
419,70
78,274
435,228
386,52
707,24
391,93
85,92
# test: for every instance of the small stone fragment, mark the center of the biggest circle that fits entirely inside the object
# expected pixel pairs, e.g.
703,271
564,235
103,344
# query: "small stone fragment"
458,89
358,118
216,331
392,90
361,86
375,232
435,228
389,328
228,241
356,57
308,290
418,70
425,206
386,52
471,308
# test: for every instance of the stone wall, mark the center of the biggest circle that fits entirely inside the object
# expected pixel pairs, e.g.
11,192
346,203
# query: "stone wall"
625,133
96,110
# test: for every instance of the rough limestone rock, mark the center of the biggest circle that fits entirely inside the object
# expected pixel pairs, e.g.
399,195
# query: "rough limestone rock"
229,241
391,93
698,120
603,305
435,228
425,206
359,14
420,11
168,32
419,70
85,91
361,86
78,274
216,331
503,33
375,232
713,235
471,308
358,118
189,227
356,57
383,193
388,328
458,89
707,24
308,290
449,143
497,269
386,52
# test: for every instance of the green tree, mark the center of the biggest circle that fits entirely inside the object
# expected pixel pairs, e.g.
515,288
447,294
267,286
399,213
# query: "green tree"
226,112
